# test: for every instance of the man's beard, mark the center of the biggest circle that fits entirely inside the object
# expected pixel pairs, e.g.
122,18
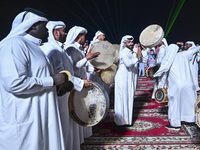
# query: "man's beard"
62,38
130,47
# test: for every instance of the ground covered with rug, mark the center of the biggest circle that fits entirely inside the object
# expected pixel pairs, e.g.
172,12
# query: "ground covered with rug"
148,130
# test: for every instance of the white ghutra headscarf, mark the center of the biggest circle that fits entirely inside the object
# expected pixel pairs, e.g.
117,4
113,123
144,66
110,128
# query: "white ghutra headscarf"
124,39
22,22
72,35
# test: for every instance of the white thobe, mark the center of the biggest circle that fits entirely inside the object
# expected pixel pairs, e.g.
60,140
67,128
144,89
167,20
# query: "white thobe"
194,69
29,116
125,87
80,63
161,54
159,58
73,133
182,93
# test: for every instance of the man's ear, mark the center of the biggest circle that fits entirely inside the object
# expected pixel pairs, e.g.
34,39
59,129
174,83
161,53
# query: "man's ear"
55,32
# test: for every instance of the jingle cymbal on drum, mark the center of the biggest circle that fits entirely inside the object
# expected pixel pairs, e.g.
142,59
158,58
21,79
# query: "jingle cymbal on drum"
106,57
108,75
89,106
151,36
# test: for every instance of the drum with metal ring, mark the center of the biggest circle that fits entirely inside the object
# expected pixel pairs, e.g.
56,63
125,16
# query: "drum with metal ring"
150,71
68,86
106,57
108,75
89,106
161,95
151,36
197,111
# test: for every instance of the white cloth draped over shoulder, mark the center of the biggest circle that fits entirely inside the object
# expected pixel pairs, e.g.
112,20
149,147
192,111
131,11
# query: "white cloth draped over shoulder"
29,117
72,132
182,95
125,85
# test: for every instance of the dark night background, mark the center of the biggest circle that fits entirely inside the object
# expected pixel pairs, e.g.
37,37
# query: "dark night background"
115,17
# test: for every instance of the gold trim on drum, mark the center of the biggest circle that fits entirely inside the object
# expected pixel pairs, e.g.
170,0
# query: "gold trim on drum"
146,72
197,112
68,74
161,95
95,108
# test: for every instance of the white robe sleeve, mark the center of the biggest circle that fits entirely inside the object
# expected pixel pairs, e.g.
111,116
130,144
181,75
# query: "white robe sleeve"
190,52
58,65
16,78
78,63
129,62
161,55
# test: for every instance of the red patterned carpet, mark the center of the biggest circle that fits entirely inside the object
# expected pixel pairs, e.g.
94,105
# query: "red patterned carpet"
147,131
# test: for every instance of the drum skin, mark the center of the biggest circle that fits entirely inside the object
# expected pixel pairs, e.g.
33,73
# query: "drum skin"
108,75
116,47
161,95
106,57
90,106
197,111
151,36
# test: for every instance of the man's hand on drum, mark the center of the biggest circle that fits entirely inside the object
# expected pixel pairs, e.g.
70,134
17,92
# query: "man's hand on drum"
91,55
59,79
138,52
144,48
98,70
87,83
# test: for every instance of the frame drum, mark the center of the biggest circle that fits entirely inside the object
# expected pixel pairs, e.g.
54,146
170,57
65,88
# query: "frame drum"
108,75
116,47
90,106
150,71
161,95
151,36
197,111
106,56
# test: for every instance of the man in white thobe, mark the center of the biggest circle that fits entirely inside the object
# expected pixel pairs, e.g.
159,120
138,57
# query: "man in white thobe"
73,133
74,41
124,83
194,64
95,75
182,95
29,115
162,51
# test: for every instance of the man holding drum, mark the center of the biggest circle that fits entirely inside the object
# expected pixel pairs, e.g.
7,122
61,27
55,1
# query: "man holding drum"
162,51
124,83
29,117
72,132
182,93
94,74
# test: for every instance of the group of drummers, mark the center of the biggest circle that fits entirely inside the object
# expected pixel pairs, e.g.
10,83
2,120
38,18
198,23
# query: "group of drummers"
52,93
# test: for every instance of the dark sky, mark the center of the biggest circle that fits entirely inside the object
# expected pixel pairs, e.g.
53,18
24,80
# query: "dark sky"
115,17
